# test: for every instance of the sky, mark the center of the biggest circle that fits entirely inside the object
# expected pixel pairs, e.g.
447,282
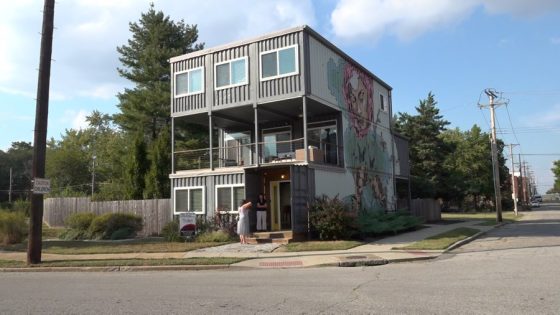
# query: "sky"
455,49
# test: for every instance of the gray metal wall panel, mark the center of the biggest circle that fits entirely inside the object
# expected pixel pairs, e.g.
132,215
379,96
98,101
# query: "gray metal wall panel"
291,85
238,94
402,157
303,191
190,102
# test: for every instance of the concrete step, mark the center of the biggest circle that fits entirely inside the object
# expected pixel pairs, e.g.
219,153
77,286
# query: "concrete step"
276,237
254,241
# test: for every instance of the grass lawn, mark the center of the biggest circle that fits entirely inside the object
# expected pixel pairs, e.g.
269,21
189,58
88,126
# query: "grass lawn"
319,245
51,232
114,247
488,217
443,240
126,262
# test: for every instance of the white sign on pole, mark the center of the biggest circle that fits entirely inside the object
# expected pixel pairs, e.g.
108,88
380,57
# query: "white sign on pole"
41,186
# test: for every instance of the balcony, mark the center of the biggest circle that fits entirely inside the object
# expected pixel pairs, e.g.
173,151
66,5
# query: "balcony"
243,155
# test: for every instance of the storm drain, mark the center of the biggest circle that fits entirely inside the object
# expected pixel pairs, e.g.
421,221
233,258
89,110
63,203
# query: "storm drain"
360,260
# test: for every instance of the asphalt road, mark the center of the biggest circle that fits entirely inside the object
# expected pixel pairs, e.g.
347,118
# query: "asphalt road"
511,270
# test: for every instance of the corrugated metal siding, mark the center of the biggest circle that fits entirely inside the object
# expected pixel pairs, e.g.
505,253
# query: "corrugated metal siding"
402,157
319,56
291,85
191,102
209,182
303,192
238,94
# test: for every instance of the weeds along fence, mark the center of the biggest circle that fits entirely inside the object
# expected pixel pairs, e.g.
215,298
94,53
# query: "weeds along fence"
154,212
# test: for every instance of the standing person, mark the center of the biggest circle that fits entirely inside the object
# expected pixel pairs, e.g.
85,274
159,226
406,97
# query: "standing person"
261,213
243,223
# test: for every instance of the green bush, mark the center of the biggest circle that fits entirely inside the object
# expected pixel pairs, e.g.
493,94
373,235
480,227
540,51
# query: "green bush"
170,232
330,218
103,226
79,221
376,223
215,236
13,227
23,206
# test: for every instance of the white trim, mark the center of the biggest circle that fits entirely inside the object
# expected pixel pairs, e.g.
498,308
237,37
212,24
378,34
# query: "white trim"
230,62
187,72
296,52
188,189
233,207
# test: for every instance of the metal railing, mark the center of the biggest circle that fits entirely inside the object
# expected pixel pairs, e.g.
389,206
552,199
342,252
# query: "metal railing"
269,152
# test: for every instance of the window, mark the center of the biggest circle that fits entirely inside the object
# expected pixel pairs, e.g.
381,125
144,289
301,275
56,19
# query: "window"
189,199
323,135
279,63
236,148
189,82
231,73
382,102
277,144
229,197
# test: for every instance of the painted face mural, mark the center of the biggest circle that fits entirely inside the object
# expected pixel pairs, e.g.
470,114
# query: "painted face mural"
365,149
358,91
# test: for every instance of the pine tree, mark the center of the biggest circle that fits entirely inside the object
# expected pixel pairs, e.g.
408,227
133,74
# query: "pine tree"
427,148
155,39
157,179
135,168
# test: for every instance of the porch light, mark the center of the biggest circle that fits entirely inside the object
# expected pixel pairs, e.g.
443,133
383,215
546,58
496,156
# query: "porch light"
282,176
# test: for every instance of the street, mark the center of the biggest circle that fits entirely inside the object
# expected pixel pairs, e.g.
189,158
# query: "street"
510,270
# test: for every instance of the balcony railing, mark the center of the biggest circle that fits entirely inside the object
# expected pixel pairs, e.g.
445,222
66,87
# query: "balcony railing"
244,155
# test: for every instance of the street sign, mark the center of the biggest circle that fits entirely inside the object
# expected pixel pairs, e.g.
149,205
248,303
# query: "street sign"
41,186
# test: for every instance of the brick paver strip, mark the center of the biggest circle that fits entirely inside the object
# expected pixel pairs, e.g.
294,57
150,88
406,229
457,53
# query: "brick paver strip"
289,263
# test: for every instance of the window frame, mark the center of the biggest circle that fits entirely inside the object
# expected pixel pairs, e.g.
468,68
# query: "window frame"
231,186
383,100
276,131
188,189
318,125
296,72
188,71
246,58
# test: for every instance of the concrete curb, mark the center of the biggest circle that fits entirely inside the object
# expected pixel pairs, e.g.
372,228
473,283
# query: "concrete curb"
117,268
470,238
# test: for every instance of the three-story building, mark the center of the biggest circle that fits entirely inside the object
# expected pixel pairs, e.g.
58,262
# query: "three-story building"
289,115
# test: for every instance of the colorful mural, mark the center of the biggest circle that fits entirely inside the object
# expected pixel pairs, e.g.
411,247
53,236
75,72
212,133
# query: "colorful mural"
366,149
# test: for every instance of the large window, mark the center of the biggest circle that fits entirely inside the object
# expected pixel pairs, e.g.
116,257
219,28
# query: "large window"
229,197
323,135
279,63
236,148
231,73
277,144
189,199
189,82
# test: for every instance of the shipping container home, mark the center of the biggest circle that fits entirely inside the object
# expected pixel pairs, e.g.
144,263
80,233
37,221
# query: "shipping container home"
289,115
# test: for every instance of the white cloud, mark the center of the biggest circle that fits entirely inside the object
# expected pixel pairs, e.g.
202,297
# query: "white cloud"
75,119
408,19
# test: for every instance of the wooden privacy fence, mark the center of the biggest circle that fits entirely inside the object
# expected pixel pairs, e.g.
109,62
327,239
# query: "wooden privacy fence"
427,209
154,212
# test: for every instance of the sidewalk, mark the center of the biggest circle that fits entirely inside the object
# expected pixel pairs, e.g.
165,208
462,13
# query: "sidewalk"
263,256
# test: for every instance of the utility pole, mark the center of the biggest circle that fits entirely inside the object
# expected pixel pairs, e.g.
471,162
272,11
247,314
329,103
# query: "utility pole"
513,188
10,193
492,97
34,245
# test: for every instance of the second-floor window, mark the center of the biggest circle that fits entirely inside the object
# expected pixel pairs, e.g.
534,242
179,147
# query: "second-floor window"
231,73
189,82
279,62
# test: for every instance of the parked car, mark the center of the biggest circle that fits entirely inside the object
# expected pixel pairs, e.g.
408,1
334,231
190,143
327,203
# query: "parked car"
537,198
535,204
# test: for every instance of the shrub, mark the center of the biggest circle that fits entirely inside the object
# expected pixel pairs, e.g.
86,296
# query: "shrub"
170,232
79,221
215,236
103,226
375,223
330,218
23,206
13,227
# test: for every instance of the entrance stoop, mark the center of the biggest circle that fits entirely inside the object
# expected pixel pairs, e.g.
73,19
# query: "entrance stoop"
277,237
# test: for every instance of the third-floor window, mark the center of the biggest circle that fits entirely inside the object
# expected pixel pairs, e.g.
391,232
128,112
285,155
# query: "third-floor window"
279,62
231,73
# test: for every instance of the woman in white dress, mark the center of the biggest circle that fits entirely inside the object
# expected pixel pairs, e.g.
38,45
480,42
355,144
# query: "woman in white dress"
243,223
